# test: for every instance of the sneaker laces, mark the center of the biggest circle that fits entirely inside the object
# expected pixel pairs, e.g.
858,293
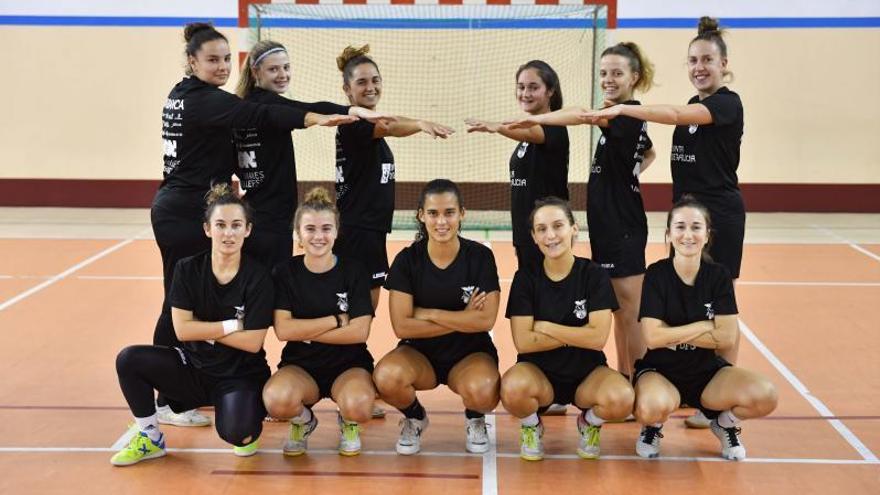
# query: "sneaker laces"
651,434
350,431
529,436
732,435
591,434
477,430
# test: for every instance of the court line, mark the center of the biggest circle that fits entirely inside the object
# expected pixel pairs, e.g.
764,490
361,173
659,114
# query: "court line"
72,269
846,241
346,474
490,460
506,455
802,389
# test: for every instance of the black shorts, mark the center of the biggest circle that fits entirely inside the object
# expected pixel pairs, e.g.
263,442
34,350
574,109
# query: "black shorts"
690,387
622,256
443,367
366,246
727,245
528,254
325,376
564,386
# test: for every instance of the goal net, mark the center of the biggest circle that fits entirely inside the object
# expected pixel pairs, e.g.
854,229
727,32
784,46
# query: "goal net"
443,63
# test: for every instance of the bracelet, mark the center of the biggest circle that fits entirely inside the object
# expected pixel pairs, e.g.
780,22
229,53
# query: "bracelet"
231,326
338,321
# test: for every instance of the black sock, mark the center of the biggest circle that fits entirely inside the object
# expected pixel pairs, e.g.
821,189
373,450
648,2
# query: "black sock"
471,414
414,410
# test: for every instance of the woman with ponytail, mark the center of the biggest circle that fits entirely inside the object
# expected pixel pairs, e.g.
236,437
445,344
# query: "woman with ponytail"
323,311
616,219
221,306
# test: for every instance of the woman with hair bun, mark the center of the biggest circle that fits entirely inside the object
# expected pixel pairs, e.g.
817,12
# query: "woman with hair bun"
221,306
365,167
323,311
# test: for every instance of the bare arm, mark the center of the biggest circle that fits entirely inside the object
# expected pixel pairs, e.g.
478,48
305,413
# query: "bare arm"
723,336
355,331
247,340
658,334
188,328
334,120
593,335
298,329
695,113
526,339
478,316
533,135
648,159
566,116
405,325
405,126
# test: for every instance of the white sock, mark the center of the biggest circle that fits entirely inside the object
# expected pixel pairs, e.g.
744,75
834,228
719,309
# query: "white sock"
727,420
531,420
657,425
164,409
304,417
591,418
150,426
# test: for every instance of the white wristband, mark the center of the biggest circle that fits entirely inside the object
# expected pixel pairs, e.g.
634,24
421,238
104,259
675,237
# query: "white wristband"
231,326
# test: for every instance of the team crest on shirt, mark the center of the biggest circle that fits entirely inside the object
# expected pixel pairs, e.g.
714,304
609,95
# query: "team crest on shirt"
693,128
521,151
580,309
342,301
601,140
239,312
467,293
710,313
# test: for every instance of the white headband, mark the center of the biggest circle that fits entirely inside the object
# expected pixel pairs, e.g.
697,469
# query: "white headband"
266,54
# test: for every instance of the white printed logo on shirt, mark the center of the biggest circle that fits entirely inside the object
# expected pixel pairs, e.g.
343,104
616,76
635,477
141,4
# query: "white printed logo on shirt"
340,178
710,312
521,151
342,301
239,312
580,309
387,173
693,128
467,293
247,159
170,147
601,140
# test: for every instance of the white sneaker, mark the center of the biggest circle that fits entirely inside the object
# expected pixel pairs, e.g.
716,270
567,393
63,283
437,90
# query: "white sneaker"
555,410
731,446
531,443
298,437
477,435
377,412
349,437
697,421
193,417
410,439
588,441
648,444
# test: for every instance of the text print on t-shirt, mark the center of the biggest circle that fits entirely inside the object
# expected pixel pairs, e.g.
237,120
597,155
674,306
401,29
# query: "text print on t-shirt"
387,173
680,155
172,123
514,182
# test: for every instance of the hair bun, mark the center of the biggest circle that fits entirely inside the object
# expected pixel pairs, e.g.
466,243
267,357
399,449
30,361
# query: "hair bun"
707,24
350,53
195,27
318,195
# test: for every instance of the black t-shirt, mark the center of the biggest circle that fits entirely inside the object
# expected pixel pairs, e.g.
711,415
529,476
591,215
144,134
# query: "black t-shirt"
249,296
197,124
614,198
266,161
449,289
705,157
364,178
566,302
537,171
343,289
666,297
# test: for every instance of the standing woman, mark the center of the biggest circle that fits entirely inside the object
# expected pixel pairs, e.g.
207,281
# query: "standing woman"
560,316
705,146
539,164
444,297
197,124
266,160
323,311
688,312
365,168
222,307
616,218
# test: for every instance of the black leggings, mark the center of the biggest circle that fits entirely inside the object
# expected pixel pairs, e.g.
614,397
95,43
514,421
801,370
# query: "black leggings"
238,402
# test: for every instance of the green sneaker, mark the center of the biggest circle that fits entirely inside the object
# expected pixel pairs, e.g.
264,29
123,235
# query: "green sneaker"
588,446
246,450
531,445
298,437
350,438
140,448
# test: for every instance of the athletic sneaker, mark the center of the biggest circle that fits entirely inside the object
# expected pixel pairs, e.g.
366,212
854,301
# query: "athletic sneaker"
731,446
193,417
531,443
697,421
555,410
588,445
477,436
410,441
378,412
648,444
246,450
349,438
298,437
140,448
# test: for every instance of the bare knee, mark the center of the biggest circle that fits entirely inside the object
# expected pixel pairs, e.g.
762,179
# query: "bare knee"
480,394
282,402
617,403
390,378
764,398
356,407
651,411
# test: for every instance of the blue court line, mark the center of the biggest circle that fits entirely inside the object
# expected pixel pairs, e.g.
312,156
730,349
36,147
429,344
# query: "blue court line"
624,23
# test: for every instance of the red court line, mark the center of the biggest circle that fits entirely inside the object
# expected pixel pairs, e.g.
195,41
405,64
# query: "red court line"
349,474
